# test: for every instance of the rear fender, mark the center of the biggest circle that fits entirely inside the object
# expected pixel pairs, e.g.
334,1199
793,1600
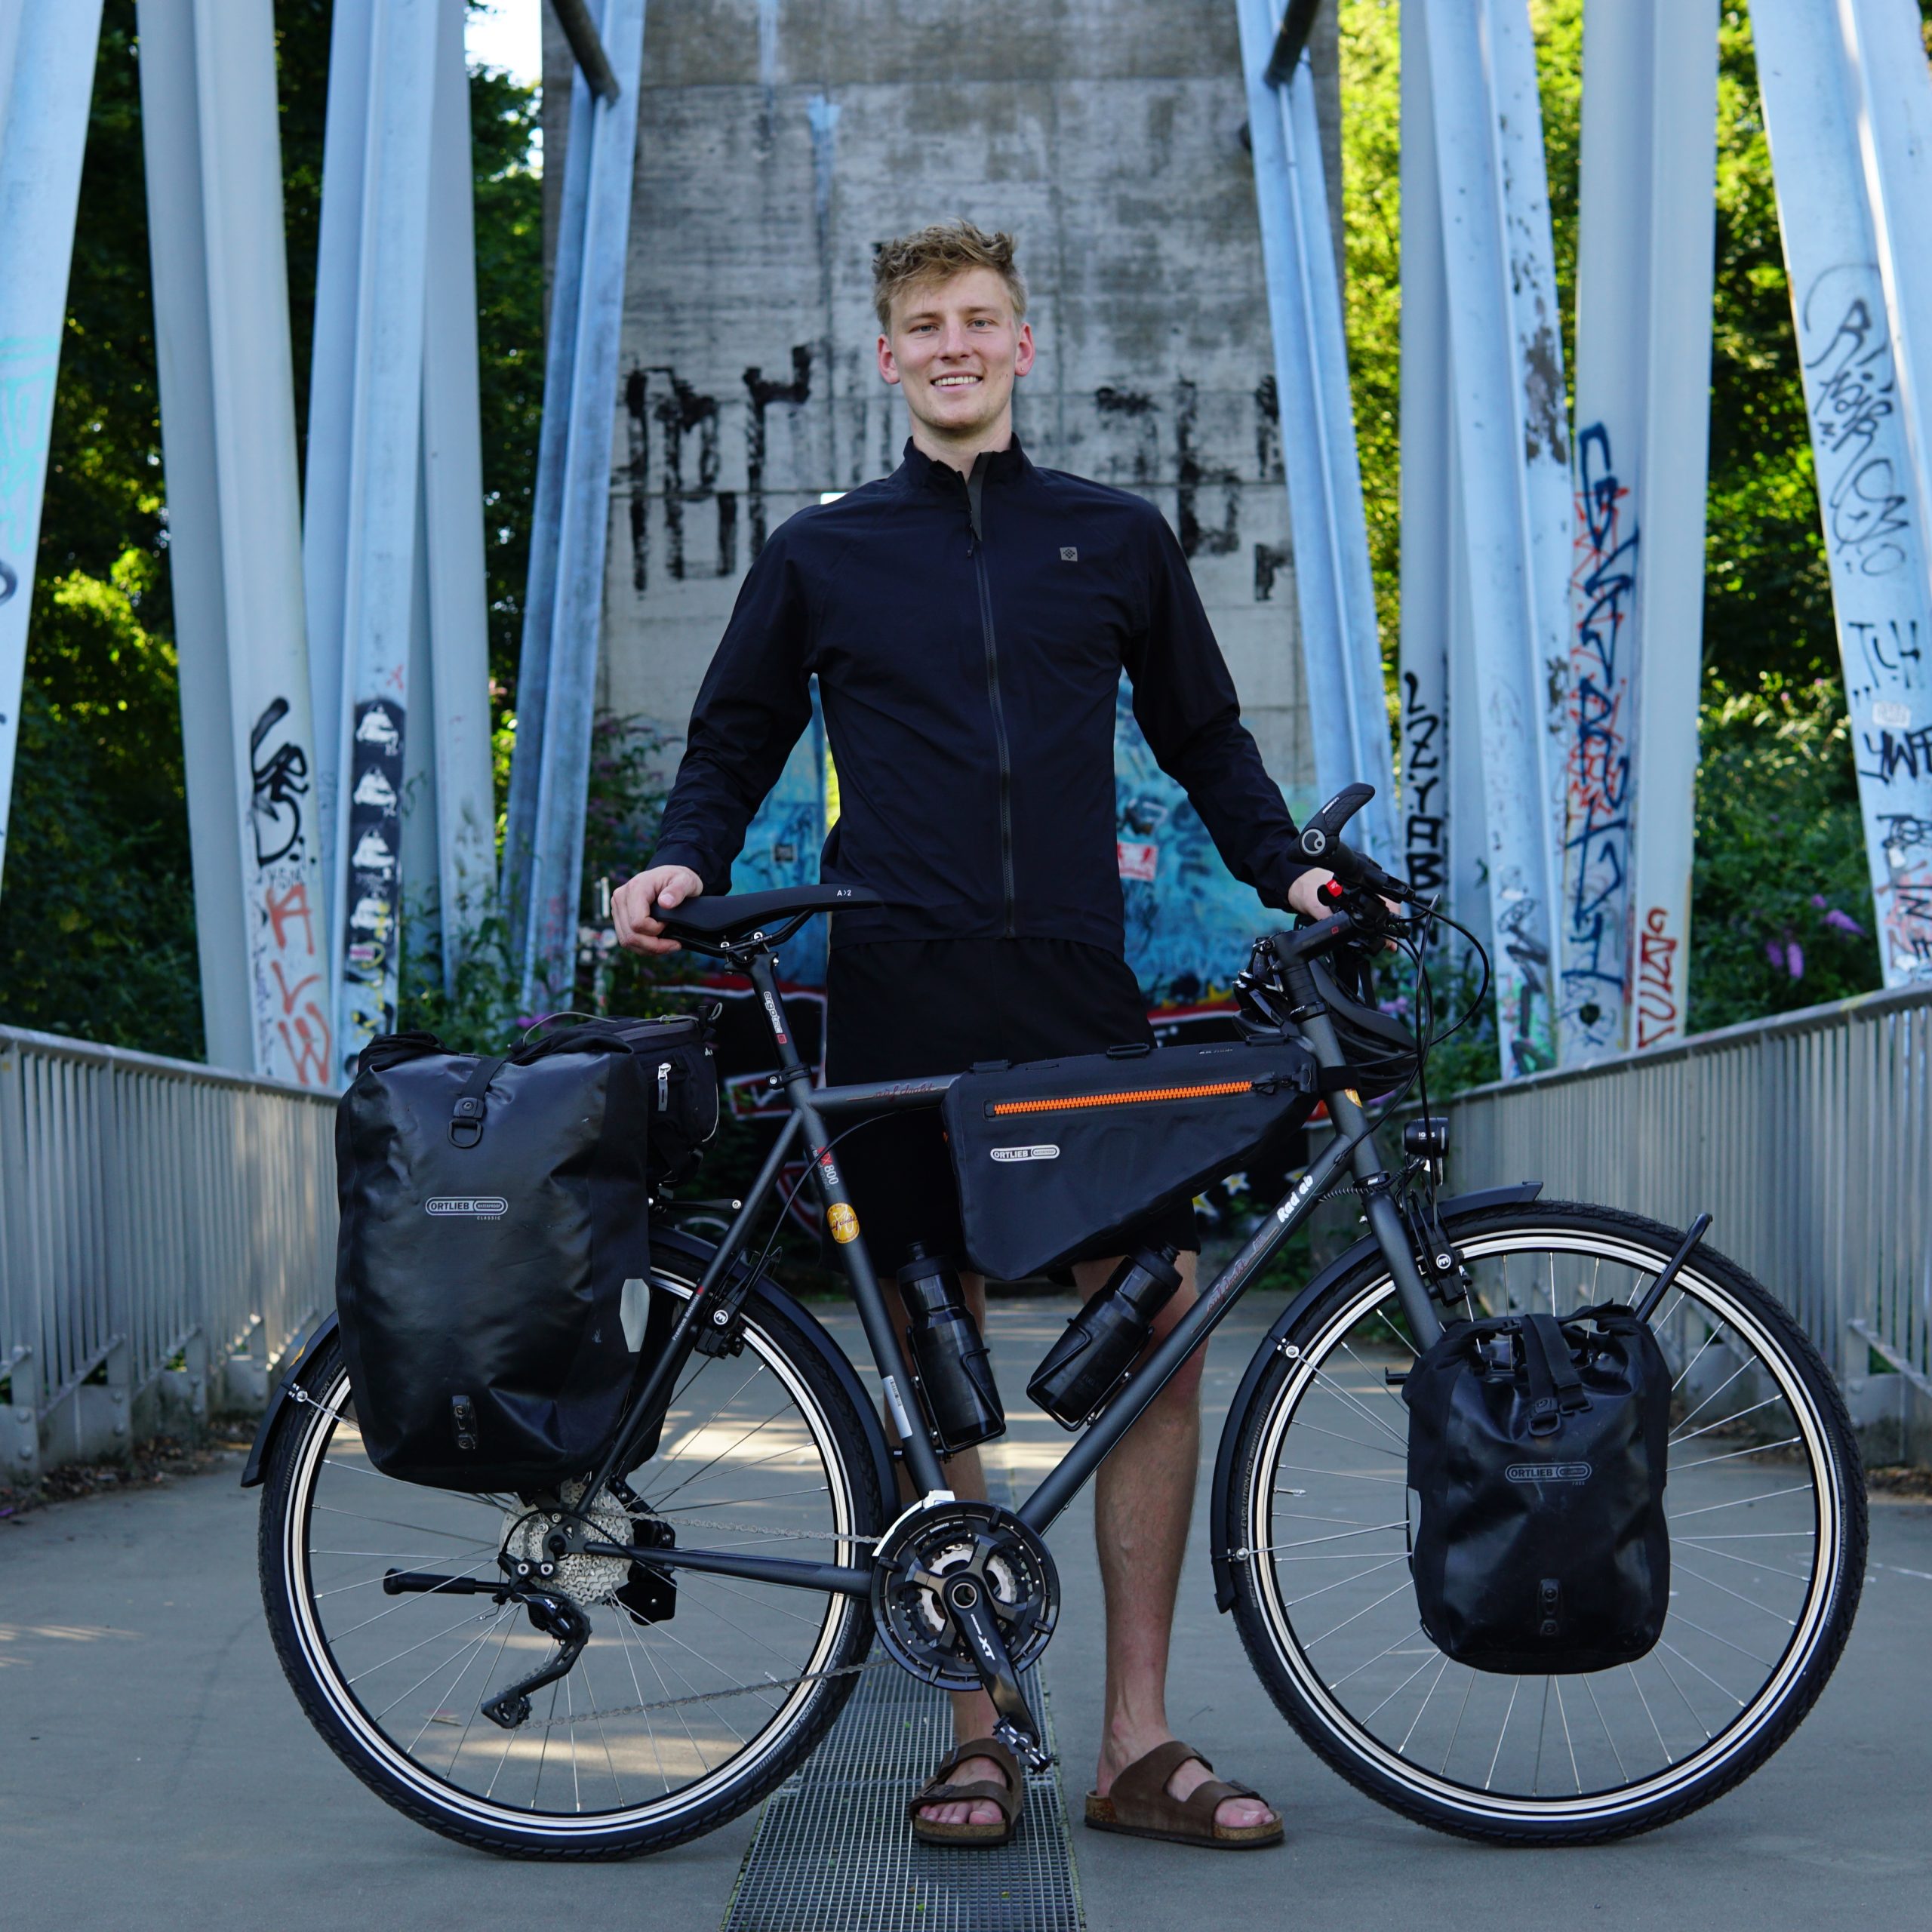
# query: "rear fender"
1221,1497
695,1255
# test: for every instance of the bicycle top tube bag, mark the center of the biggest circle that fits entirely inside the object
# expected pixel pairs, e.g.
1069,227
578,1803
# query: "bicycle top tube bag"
494,1264
1538,1449
1055,1159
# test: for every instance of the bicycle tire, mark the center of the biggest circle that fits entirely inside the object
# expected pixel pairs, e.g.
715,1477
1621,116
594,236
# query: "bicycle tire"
799,1355
1347,1740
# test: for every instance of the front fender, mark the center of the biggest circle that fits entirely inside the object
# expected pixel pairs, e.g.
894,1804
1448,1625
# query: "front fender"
1220,1498
696,1254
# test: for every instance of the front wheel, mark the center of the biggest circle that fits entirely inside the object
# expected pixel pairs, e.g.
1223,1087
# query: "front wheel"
688,1703
1767,1531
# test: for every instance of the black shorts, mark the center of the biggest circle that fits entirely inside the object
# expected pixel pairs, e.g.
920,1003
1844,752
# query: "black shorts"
898,1008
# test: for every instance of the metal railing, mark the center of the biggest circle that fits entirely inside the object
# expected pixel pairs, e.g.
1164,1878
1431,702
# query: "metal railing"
165,1229
1807,1137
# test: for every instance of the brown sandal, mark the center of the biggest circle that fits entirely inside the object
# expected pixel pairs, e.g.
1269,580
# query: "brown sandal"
1139,1806
936,1791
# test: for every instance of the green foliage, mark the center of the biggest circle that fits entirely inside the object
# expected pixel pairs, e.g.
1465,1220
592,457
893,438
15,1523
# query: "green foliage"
483,1009
96,915
1782,913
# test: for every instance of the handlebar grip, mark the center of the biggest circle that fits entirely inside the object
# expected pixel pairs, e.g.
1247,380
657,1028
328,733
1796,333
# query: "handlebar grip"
1320,833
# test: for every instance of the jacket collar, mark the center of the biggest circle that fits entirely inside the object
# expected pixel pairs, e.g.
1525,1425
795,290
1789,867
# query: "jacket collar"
921,472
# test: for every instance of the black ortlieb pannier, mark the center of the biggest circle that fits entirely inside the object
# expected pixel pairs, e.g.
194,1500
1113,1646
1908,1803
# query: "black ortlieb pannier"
1057,1159
494,1264
1538,1449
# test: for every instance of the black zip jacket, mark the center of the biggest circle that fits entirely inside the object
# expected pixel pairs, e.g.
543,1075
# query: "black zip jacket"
968,640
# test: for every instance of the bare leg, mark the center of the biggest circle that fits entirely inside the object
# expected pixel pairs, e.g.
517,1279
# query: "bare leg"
973,1712
1143,1498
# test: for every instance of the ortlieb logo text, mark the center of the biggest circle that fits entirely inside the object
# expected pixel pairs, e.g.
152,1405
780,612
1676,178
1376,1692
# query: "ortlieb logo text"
1549,1472
1047,1152
478,1207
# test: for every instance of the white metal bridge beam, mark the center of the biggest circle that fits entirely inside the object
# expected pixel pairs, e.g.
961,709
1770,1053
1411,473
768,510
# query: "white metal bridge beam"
605,129
1341,648
365,453
1848,108
46,57
1496,386
214,154
1646,235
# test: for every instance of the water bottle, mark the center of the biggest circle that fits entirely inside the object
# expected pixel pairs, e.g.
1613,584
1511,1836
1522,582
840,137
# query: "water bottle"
1101,1342
949,1361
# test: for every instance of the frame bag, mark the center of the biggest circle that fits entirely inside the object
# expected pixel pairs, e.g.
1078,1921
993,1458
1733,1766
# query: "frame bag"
1058,1159
493,1271
1538,1449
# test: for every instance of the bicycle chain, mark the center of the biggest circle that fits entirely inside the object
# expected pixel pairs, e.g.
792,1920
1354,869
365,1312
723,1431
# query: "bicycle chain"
740,1529
712,1696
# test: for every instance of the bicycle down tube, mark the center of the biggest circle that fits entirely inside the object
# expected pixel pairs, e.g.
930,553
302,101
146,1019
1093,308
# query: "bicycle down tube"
1355,1143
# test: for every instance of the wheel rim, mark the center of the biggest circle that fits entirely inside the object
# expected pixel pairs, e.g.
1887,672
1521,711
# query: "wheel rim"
657,1719
1748,1443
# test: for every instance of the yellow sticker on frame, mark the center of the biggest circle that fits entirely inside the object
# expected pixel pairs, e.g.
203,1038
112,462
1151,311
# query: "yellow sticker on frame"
844,1223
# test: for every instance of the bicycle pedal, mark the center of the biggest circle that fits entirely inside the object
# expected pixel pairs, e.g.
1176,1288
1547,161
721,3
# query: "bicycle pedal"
1024,1745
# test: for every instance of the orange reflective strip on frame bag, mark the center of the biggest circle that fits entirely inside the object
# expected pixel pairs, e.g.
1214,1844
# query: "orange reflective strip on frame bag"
1055,1158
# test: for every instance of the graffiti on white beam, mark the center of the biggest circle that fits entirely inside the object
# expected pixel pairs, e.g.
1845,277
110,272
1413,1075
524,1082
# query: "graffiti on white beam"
372,907
1596,845
1874,545
292,1031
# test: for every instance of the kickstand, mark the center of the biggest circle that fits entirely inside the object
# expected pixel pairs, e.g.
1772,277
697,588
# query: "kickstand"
966,1600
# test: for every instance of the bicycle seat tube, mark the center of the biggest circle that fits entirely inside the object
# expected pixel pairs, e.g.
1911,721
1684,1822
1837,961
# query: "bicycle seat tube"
922,1460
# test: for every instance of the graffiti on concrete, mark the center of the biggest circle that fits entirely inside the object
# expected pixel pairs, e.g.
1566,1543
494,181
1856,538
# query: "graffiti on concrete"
1189,919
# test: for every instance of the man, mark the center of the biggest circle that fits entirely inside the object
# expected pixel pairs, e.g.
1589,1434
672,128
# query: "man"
968,619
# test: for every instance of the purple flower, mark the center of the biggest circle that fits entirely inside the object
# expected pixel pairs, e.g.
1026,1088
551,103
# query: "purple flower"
1794,959
1843,921
1818,900
1774,951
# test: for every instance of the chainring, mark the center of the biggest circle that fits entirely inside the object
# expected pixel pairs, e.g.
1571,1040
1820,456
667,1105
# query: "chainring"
921,1552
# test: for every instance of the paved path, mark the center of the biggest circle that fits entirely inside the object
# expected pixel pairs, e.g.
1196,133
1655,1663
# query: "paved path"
155,1772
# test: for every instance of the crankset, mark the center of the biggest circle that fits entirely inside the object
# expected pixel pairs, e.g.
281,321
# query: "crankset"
964,1596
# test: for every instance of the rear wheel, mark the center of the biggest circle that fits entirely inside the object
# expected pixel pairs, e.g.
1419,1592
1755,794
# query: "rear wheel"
669,1725
1767,1528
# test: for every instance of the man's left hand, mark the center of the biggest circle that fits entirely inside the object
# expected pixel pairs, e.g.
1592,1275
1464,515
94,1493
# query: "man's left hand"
1304,896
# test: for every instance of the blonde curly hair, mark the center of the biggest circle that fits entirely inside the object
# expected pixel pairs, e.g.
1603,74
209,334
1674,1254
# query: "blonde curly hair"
938,253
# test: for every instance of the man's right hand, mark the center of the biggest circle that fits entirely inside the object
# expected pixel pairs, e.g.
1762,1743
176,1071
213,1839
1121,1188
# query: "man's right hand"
632,903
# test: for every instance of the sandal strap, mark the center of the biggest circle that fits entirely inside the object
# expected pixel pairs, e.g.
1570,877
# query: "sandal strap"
1207,1798
937,1791
1143,1785
1140,1797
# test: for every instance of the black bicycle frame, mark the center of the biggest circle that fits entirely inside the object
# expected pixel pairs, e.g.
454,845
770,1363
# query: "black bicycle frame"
1354,1146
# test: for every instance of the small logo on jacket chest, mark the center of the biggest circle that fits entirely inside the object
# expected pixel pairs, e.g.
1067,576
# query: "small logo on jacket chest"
1069,554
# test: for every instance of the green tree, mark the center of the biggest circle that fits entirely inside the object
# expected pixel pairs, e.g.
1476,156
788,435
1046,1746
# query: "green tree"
97,907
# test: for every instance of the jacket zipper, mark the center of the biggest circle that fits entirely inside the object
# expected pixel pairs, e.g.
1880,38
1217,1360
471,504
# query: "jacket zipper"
993,698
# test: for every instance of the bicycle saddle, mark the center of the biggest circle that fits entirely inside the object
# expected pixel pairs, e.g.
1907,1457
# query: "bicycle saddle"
737,915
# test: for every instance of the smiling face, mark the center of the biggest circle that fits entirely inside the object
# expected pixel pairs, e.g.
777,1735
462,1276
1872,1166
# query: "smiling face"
956,348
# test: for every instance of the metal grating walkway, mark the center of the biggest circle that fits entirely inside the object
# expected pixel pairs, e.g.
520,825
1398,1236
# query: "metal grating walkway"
833,1853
